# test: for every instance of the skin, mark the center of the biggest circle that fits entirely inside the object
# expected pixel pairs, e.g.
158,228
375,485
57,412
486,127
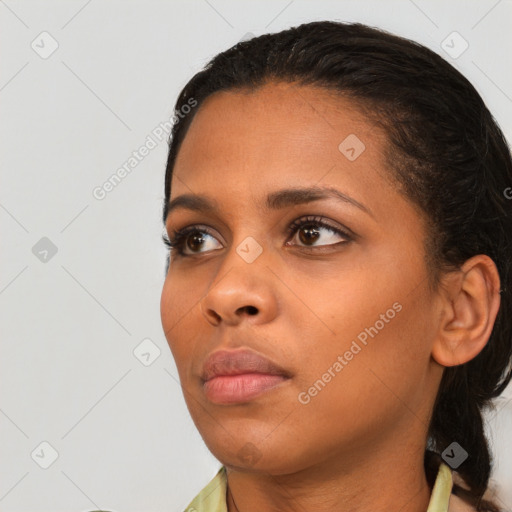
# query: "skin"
358,445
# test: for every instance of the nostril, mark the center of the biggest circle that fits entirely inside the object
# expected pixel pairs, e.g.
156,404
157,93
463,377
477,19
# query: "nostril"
251,310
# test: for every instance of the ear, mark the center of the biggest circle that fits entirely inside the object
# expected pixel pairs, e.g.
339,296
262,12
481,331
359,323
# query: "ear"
470,300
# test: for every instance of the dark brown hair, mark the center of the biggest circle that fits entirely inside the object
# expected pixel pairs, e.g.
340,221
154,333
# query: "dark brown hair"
448,156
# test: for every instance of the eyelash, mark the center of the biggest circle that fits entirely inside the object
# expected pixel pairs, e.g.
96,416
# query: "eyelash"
180,235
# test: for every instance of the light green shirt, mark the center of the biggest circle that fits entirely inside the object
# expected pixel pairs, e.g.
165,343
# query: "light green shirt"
212,498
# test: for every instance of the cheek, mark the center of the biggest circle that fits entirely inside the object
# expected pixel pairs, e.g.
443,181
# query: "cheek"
168,308
378,381
379,329
178,304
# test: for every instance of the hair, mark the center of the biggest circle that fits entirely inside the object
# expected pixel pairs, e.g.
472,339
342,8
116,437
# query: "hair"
445,152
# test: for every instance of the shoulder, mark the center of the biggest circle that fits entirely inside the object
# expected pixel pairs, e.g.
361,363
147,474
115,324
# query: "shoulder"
212,497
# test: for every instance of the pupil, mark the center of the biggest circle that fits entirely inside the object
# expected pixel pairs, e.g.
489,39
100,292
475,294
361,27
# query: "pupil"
196,237
311,235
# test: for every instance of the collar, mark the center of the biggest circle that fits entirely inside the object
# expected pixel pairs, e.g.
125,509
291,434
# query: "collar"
212,498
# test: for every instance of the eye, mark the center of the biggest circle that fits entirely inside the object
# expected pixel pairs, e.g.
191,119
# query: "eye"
190,238
308,231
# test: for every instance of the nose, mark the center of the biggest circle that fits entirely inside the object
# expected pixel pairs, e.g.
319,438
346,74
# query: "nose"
241,295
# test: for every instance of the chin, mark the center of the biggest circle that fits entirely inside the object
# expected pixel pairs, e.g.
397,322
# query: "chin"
247,453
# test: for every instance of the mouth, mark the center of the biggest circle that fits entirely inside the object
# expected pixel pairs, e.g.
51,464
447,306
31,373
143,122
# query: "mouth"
231,377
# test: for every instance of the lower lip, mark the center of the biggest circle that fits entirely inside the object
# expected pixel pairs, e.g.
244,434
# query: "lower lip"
230,389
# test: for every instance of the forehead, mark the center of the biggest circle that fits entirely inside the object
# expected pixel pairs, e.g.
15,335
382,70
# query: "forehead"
274,135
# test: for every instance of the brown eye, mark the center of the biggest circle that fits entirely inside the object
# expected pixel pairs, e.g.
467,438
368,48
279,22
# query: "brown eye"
313,232
197,239
189,241
194,241
308,234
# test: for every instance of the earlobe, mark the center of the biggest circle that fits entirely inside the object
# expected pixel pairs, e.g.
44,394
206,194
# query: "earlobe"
470,303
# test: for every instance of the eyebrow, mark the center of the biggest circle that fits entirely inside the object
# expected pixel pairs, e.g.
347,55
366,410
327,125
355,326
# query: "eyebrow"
274,201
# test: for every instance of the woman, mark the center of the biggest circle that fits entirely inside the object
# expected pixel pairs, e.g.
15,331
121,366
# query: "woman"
337,297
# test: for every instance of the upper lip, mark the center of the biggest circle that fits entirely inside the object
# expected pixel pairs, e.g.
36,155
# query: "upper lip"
238,362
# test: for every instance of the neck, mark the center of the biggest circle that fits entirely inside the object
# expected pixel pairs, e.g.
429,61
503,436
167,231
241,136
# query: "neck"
374,481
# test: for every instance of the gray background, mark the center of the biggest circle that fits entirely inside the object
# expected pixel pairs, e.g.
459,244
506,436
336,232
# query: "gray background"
73,373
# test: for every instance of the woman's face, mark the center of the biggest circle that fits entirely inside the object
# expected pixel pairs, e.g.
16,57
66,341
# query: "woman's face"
348,316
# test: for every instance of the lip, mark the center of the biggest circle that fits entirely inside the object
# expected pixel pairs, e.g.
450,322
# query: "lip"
239,376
